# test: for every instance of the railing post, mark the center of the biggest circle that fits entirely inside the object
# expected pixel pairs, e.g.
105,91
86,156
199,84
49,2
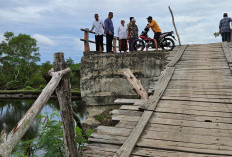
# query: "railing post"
86,38
114,44
63,92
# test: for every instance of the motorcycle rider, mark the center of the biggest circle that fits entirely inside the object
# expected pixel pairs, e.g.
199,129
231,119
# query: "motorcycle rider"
156,29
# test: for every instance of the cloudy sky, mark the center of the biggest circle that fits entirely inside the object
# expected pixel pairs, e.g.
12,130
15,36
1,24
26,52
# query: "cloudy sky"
56,23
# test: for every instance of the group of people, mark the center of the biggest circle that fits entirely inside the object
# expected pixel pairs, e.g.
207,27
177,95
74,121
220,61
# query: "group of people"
125,33
224,28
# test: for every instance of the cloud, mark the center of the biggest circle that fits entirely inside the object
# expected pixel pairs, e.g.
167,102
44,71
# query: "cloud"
56,23
43,40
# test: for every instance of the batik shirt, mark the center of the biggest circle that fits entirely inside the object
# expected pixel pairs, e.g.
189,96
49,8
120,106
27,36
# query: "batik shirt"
224,25
133,31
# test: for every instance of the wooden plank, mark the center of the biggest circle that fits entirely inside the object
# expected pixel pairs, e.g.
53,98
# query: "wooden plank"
137,86
107,130
126,101
207,125
128,146
227,52
185,147
186,138
191,130
192,117
177,56
140,151
198,99
160,88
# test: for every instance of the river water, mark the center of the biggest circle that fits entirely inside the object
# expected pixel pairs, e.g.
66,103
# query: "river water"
11,111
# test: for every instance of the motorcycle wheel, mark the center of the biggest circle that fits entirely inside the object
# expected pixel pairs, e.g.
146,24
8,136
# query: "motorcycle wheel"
167,44
138,45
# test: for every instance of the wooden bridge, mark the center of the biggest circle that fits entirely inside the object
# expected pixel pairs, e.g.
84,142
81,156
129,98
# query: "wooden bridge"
188,115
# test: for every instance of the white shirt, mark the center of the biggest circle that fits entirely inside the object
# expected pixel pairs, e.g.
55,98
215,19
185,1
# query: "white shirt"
98,25
122,32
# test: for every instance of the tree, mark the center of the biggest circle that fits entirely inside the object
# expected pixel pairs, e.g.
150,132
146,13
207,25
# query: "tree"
19,55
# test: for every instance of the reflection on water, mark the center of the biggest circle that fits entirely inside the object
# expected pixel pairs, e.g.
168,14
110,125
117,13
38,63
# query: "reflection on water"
11,111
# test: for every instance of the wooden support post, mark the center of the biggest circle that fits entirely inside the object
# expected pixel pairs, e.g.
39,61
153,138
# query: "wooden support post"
135,83
86,38
63,92
114,44
173,21
9,141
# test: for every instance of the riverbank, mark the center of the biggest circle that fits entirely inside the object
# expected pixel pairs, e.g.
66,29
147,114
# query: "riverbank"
32,94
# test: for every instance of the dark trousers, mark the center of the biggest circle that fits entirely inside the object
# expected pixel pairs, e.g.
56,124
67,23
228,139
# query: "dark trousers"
131,48
99,42
109,39
226,36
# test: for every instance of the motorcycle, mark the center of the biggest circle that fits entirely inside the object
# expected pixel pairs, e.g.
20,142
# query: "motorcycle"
164,41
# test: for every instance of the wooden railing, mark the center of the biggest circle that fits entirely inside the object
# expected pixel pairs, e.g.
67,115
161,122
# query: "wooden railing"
61,83
87,41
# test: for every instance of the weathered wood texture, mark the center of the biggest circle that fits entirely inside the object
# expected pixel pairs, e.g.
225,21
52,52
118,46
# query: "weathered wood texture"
189,113
63,92
135,83
173,21
9,141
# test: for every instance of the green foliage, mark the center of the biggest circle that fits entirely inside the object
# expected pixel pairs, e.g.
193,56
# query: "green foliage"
12,85
41,87
28,87
28,83
19,55
18,68
216,34
49,139
69,61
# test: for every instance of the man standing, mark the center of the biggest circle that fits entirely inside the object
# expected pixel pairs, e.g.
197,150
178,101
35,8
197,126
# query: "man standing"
132,34
109,30
99,31
122,36
224,28
156,29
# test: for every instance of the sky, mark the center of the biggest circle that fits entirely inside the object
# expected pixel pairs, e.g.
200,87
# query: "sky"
56,24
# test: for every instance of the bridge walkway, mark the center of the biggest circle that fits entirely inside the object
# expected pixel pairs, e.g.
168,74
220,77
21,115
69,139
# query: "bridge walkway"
189,114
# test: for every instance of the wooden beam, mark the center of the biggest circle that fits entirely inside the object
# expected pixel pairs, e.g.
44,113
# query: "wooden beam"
114,45
9,141
128,146
160,88
135,83
86,42
227,52
63,92
177,57
173,21
126,101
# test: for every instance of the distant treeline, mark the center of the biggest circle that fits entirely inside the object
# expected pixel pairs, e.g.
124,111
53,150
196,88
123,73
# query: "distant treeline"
18,64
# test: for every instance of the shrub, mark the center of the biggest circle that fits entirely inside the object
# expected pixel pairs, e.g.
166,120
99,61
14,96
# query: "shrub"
28,83
41,87
28,87
12,85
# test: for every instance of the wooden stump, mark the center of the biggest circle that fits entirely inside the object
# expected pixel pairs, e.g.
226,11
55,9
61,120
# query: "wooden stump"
63,92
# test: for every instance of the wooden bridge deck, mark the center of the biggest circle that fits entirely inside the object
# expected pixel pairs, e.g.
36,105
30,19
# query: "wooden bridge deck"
189,114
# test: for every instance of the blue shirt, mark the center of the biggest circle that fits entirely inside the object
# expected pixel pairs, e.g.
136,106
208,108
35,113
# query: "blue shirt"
224,25
108,26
